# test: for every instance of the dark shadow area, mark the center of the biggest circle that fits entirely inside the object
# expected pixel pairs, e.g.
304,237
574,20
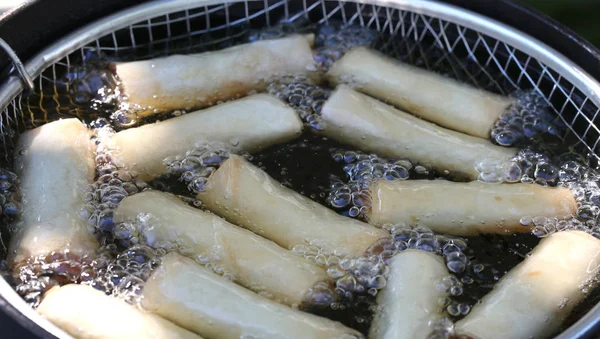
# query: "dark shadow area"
579,15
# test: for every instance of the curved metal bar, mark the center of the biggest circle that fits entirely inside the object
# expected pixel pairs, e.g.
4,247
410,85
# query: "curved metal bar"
533,47
25,78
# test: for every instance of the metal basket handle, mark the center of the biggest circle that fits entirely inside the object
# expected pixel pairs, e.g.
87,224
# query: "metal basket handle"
25,78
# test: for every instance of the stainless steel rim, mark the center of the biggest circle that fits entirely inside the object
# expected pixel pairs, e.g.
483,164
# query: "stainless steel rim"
552,64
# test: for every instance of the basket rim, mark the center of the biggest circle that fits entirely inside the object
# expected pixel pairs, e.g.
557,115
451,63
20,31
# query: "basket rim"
442,9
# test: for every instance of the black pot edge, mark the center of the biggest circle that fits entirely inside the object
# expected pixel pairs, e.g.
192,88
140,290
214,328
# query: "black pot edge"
540,26
25,328
26,28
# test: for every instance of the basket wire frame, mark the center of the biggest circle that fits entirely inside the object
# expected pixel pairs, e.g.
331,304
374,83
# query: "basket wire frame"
210,27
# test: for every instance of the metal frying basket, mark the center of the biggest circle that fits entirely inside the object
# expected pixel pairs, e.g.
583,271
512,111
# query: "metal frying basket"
499,58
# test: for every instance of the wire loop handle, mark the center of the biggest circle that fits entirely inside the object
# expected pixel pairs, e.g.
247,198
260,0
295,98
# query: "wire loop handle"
25,78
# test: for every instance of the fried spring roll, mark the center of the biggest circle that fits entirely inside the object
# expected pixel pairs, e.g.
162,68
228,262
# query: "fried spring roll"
256,263
246,195
536,296
436,98
85,312
410,302
200,80
372,126
478,207
205,303
248,124
55,164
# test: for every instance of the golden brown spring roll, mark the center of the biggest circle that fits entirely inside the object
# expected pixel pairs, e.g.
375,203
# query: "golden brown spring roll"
442,100
254,123
55,163
536,296
255,263
466,208
85,312
205,303
372,126
246,196
200,80
409,304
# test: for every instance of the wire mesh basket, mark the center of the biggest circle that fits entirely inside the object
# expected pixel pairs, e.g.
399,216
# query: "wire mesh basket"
431,35
471,48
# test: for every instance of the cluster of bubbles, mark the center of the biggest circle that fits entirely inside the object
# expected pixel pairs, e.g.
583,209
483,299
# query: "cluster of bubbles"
333,40
532,165
367,275
102,197
527,118
121,273
570,170
90,88
302,94
85,89
93,83
118,273
540,166
452,249
443,329
134,232
422,238
42,273
353,197
195,167
113,183
130,233
584,182
125,115
125,279
96,86
10,208
10,196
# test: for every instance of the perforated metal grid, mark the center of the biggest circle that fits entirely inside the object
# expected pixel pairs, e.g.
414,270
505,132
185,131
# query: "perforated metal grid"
460,52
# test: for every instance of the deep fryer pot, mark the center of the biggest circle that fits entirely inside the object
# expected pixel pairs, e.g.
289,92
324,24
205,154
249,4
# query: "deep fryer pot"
525,48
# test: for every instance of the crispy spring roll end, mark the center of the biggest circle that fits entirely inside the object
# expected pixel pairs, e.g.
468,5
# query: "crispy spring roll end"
484,208
321,295
250,260
247,196
436,98
195,298
85,312
255,122
410,302
55,163
200,80
370,125
534,298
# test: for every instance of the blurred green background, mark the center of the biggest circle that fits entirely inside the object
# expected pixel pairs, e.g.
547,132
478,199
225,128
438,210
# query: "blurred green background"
582,16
